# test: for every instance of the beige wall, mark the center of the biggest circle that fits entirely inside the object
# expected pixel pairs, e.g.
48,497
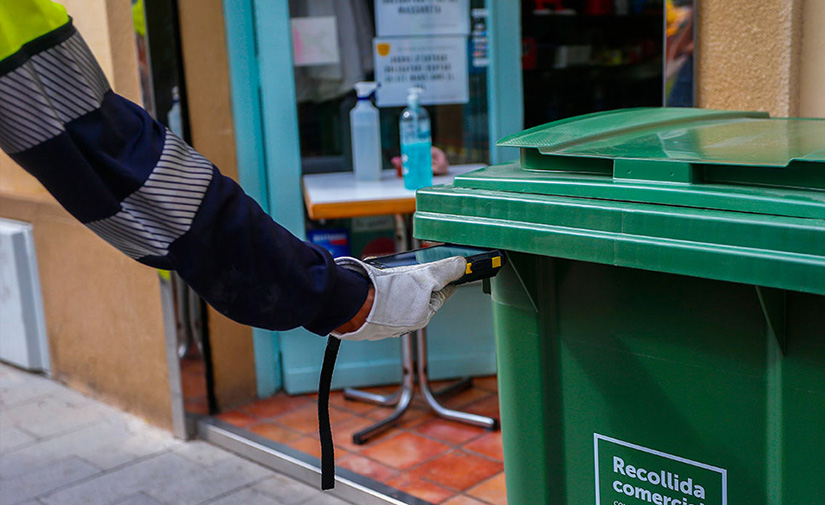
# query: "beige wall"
748,55
210,115
103,313
812,65
766,55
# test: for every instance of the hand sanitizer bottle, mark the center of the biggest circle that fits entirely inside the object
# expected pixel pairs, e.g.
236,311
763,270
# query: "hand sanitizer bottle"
416,143
366,138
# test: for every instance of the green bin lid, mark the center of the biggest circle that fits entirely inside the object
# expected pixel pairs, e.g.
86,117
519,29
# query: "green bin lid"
742,161
678,135
731,195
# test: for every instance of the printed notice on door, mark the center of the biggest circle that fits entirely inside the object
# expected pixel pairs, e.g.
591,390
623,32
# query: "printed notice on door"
438,65
402,18
629,474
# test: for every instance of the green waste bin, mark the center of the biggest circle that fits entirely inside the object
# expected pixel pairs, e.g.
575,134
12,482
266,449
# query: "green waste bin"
660,325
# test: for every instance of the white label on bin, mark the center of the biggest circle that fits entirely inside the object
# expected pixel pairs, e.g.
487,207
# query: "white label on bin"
629,474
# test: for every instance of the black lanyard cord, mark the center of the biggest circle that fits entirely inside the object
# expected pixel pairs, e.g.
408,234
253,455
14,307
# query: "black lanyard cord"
324,428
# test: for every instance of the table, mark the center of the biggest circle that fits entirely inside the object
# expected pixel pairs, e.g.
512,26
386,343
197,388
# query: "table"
339,195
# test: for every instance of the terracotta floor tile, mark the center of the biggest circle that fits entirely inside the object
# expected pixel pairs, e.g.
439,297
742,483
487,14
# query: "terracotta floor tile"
310,445
463,500
418,401
342,434
414,418
367,467
275,432
192,366
486,407
459,470
237,418
450,432
464,398
414,485
193,384
337,399
305,419
406,456
377,413
380,412
491,491
488,445
382,390
404,451
436,385
490,383
338,416
276,405
196,405
415,415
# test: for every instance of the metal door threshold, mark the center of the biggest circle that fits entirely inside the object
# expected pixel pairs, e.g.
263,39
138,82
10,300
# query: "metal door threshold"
349,486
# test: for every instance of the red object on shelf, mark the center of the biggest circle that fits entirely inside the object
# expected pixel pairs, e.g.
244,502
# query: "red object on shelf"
598,7
529,53
541,5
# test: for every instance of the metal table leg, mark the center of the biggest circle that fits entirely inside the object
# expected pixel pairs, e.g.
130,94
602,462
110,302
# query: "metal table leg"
423,382
374,398
401,398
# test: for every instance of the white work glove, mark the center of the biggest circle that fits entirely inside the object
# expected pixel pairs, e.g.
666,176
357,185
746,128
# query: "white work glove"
405,297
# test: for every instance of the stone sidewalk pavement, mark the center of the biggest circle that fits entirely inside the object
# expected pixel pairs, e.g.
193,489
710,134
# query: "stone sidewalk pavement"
58,447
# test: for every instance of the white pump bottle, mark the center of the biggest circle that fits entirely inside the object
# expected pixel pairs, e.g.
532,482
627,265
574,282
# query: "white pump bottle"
365,134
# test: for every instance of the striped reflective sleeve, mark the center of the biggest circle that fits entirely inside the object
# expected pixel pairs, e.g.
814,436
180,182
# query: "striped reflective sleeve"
131,181
50,89
163,208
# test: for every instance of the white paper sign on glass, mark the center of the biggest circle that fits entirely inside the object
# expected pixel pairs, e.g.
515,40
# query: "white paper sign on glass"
436,64
401,18
315,41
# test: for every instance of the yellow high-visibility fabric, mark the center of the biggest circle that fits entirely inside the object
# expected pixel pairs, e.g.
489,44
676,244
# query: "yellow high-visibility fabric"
139,18
22,21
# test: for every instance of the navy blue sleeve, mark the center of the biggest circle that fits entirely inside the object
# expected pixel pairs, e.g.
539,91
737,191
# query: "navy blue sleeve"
257,273
146,192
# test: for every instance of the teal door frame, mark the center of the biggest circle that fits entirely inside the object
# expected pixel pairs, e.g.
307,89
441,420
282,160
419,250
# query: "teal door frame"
505,90
259,49
269,170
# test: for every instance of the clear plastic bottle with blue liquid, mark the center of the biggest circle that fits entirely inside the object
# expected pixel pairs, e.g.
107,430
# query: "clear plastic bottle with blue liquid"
416,143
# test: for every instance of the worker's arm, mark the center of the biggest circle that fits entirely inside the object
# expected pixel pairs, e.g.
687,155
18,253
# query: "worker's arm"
149,194
146,192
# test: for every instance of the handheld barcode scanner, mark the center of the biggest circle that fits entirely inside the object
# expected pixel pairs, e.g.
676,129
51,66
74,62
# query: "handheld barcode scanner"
481,263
